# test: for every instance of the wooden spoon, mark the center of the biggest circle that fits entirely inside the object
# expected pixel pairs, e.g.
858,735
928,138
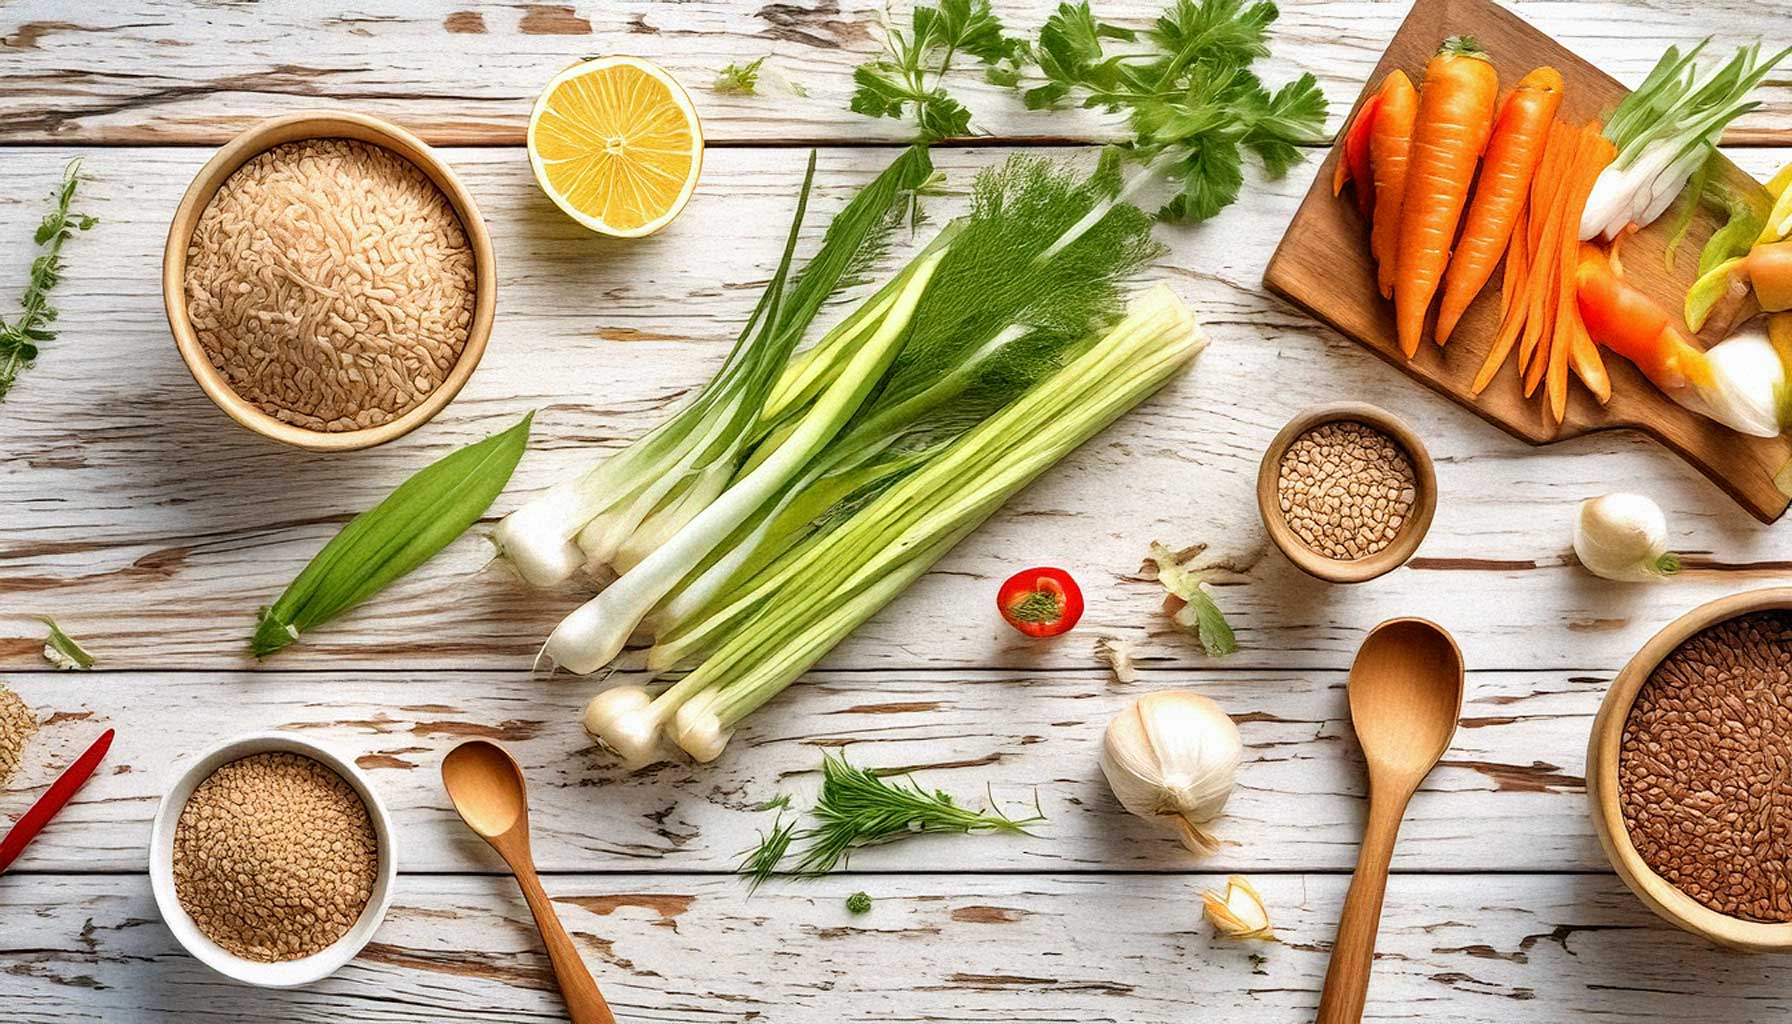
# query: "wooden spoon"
1405,697
487,788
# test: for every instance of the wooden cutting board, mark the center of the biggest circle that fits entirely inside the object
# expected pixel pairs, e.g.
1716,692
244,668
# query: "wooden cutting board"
1323,266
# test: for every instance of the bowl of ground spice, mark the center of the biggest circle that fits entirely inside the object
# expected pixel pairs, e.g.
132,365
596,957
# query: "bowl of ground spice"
328,281
1347,492
1689,771
271,860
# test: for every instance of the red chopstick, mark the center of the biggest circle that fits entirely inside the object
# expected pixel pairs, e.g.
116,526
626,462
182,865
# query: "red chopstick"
27,827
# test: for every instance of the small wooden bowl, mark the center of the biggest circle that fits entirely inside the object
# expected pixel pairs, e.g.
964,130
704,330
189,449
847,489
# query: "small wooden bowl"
1332,570
1656,892
252,142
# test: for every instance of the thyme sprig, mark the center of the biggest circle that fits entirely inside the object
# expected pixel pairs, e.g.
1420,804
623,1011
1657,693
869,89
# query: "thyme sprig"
859,807
19,339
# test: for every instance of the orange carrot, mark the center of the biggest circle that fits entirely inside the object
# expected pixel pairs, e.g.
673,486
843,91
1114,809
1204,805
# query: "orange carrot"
1544,267
1389,147
1353,161
1455,117
1623,319
1570,346
1512,287
1513,154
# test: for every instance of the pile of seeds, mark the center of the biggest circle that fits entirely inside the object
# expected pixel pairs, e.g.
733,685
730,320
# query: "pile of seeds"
1346,489
331,283
1705,768
17,724
274,857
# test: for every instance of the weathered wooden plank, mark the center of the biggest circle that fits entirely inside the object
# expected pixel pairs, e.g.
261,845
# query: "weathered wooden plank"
1514,771
1517,949
129,71
154,528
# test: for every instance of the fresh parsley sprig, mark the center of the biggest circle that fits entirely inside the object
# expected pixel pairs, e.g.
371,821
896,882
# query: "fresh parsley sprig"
1189,95
20,338
1184,84
907,79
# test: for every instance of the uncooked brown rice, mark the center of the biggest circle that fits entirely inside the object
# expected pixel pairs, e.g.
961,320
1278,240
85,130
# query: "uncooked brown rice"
275,856
1346,489
17,725
1705,768
331,283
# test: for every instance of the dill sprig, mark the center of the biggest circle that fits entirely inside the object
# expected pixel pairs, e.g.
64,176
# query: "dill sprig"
858,807
20,338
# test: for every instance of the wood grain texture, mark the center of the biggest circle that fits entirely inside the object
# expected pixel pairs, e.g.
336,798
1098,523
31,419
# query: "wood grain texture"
1041,949
153,527
1513,772
1323,265
152,71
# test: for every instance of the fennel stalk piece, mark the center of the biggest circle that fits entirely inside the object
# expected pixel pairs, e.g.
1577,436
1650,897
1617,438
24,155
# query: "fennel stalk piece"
415,521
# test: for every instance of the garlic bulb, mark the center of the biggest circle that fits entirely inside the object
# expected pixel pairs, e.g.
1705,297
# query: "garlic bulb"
1238,913
1171,758
1623,537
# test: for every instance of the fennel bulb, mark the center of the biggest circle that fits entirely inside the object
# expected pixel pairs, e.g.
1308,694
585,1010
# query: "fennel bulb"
1623,537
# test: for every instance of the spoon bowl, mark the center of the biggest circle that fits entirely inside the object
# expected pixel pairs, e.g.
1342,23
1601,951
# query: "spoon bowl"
1405,697
487,788
486,785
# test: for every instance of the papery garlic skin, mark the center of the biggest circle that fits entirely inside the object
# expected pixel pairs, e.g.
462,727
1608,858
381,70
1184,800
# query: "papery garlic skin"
1172,759
1238,913
1623,537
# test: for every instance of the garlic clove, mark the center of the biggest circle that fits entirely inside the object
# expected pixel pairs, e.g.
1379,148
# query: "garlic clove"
1238,912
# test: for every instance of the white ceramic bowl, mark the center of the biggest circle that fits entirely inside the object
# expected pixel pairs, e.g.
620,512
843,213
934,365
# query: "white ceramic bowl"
289,973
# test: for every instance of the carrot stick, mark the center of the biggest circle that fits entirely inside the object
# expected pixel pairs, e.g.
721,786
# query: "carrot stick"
1512,286
1591,157
1454,120
1584,356
1390,146
1520,135
1545,223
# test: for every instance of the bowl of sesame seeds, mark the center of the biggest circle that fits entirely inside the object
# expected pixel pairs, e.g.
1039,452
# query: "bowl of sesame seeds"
271,860
1347,492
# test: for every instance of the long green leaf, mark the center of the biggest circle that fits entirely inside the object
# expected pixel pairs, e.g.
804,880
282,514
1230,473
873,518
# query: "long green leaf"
387,541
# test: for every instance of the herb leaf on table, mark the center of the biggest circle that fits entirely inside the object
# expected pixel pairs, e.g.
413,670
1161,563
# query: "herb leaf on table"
1193,104
20,338
857,808
906,80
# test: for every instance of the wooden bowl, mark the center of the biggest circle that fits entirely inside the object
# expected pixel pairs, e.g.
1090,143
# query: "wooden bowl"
320,125
1358,570
1656,892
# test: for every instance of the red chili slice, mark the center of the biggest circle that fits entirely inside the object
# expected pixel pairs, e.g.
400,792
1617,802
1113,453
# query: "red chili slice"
1041,602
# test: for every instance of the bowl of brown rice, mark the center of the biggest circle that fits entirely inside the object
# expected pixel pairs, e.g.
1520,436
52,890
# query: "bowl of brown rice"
1689,772
271,860
329,281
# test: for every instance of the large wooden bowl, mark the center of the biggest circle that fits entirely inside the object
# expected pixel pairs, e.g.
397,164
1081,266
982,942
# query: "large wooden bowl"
1656,892
257,139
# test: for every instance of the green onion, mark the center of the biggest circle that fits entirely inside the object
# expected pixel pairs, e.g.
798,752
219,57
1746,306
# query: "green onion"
764,634
622,509
1665,130
420,518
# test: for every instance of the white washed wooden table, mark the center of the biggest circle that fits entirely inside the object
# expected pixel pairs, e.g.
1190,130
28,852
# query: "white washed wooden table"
153,528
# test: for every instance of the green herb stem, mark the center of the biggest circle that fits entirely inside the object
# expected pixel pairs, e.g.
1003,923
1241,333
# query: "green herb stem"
19,339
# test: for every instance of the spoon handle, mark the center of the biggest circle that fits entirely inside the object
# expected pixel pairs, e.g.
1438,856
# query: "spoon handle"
584,1003
1353,952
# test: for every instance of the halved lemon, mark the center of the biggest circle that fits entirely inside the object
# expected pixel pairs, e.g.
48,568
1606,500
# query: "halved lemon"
615,142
